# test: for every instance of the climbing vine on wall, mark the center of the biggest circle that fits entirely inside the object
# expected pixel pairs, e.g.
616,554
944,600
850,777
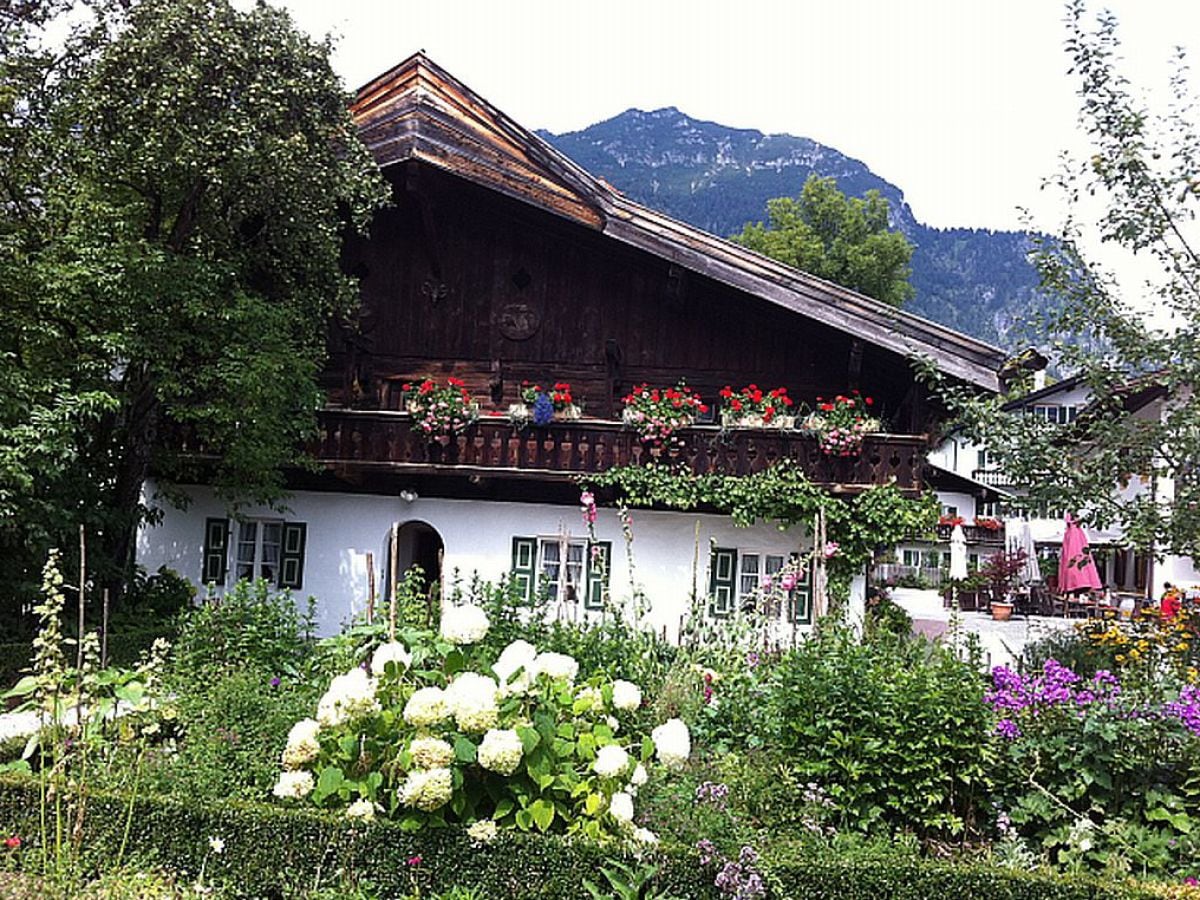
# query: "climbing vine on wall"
781,494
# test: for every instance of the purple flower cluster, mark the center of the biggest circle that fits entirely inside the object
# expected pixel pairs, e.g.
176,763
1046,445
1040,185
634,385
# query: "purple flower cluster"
740,879
1186,708
714,793
1056,685
543,410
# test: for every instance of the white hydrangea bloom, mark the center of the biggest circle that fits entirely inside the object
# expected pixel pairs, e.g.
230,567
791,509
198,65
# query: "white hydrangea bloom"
612,723
621,807
361,810
672,742
302,746
472,699
391,652
426,708
349,696
294,785
645,836
500,751
464,624
483,832
430,753
640,776
517,655
611,761
556,665
427,789
626,695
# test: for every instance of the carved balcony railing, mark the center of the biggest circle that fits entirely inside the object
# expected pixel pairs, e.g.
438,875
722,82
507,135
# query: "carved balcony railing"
975,534
387,440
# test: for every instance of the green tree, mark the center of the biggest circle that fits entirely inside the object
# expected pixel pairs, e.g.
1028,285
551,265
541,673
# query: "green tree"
178,177
843,240
1143,421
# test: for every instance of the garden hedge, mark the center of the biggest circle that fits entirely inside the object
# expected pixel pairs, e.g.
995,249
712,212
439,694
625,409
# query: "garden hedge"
270,851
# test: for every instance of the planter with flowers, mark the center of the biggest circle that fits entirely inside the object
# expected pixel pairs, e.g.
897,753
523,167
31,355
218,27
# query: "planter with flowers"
440,410
840,424
989,523
752,408
657,413
541,406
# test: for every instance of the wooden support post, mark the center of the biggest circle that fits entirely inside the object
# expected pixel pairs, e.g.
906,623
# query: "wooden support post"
82,594
104,633
370,587
395,570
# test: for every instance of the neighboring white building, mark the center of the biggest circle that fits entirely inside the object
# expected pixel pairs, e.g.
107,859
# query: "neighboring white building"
1121,568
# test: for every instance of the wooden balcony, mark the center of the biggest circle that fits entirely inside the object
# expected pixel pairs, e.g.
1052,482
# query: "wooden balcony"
387,441
975,534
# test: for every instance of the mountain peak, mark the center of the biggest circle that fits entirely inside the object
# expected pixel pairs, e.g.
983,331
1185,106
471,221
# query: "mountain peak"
718,178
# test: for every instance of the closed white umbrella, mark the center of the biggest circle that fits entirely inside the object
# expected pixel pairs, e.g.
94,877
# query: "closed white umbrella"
1021,538
958,554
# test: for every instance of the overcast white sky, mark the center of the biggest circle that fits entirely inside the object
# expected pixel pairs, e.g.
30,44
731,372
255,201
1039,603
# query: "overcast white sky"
964,104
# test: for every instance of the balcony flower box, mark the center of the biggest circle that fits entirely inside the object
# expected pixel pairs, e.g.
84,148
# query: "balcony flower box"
751,407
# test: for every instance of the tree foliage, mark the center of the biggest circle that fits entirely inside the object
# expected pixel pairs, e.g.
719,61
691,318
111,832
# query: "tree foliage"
177,179
843,240
1129,460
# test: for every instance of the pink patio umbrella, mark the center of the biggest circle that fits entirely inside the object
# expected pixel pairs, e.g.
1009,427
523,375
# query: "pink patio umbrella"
1076,568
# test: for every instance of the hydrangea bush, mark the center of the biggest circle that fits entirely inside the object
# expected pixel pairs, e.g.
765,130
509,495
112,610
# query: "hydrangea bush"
426,734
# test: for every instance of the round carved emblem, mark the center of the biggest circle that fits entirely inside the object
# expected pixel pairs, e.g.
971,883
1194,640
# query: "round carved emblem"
518,320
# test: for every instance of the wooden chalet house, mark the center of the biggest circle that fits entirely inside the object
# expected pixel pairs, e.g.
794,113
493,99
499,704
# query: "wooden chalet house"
502,262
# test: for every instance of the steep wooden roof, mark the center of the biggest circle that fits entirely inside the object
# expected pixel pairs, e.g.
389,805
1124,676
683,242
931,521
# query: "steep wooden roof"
419,111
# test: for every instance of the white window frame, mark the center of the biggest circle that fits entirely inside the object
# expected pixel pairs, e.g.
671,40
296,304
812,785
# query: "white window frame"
258,561
564,546
749,581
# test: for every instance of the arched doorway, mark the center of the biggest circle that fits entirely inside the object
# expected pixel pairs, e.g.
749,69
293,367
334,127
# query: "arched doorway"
415,543
419,544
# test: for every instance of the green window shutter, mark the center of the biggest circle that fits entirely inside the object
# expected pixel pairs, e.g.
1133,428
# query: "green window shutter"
800,598
722,575
524,563
599,566
291,555
216,551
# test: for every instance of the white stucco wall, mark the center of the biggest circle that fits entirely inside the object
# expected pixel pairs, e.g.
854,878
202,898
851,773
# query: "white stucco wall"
343,528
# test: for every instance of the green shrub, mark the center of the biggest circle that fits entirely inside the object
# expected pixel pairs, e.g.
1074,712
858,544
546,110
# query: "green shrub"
270,852
230,737
895,731
1100,773
250,627
125,648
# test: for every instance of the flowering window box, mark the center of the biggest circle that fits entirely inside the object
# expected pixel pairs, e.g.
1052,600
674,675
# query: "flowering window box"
656,414
840,424
751,407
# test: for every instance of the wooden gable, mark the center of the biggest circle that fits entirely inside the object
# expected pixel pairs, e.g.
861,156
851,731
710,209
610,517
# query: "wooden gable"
419,112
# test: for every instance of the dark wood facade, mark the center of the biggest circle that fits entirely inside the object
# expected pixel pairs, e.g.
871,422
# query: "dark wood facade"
457,279
500,261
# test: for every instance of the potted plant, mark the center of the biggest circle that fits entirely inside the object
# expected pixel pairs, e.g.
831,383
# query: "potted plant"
752,408
542,406
440,409
840,424
656,413
1001,570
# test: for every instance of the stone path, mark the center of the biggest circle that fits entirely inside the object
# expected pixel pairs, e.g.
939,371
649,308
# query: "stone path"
1001,641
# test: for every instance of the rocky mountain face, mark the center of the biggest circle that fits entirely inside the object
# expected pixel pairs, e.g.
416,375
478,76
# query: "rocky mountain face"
718,178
